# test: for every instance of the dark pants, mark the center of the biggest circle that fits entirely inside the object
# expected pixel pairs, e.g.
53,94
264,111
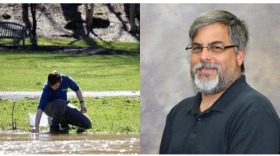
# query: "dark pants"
64,113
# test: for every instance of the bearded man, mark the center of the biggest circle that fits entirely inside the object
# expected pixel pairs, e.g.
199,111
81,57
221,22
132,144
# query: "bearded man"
226,116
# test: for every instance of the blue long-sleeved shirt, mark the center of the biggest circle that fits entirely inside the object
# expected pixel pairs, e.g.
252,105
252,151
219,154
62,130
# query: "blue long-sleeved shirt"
49,94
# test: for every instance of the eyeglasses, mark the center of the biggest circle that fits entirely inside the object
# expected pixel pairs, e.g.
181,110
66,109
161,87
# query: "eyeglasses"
213,48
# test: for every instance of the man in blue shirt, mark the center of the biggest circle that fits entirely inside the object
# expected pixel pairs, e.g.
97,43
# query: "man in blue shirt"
54,103
226,116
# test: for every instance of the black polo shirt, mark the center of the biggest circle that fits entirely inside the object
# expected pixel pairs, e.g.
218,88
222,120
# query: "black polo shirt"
241,121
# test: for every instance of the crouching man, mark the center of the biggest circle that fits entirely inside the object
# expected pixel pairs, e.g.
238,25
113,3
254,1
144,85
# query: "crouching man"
54,103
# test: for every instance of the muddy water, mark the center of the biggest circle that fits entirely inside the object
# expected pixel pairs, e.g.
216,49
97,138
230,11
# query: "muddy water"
26,143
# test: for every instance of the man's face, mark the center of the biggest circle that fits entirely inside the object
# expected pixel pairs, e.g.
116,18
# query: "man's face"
55,86
213,73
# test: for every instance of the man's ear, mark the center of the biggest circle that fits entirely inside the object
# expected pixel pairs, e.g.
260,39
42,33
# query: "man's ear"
240,56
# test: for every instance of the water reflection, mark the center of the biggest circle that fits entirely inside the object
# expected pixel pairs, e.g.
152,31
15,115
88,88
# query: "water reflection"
26,143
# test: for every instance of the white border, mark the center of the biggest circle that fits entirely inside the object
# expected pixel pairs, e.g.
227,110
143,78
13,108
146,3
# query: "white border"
142,2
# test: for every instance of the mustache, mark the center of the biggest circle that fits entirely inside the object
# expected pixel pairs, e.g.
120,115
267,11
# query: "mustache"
206,65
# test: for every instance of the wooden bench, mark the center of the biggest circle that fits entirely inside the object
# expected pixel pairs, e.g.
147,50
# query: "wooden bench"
12,30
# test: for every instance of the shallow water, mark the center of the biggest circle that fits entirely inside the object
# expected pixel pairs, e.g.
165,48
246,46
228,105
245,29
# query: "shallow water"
26,143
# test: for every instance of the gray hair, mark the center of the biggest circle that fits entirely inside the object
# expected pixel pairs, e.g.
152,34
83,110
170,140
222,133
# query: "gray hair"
238,33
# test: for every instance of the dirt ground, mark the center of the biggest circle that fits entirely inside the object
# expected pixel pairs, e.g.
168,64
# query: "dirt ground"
52,19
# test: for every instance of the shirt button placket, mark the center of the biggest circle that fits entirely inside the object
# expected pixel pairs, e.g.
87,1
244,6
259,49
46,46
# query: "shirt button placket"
198,119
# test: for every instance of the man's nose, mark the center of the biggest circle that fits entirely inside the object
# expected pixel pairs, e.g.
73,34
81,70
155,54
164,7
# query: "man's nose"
205,55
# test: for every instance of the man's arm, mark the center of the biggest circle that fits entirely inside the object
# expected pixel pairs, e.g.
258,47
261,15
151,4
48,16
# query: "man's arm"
81,99
74,86
37,121
42,104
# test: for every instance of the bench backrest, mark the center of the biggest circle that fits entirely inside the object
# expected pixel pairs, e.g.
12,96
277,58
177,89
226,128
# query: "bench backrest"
9,29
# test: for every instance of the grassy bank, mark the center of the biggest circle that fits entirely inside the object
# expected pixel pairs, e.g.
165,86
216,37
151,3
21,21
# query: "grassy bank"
108,114
126,46
28,70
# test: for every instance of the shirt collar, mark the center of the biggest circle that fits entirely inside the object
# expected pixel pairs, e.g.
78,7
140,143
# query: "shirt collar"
195,109
225,100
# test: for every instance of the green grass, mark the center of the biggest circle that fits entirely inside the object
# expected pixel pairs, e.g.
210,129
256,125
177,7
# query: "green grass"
108,114
27,70
127,46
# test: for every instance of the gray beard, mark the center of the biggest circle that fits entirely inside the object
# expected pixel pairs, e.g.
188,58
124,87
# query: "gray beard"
220,83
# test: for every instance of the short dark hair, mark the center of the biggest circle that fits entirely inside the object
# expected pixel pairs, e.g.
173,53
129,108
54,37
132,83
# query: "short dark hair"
54,77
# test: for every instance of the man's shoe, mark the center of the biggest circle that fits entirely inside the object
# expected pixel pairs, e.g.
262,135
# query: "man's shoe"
54,129
64,124
65,130
80,130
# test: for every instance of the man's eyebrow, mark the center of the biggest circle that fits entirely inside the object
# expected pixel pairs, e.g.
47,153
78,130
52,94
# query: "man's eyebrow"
216,42
196,43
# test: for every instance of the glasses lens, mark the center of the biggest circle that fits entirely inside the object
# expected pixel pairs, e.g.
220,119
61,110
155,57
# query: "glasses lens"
196,48
216,48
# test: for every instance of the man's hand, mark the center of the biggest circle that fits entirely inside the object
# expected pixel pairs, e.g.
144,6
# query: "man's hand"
35,130
81,99
83,108
37,121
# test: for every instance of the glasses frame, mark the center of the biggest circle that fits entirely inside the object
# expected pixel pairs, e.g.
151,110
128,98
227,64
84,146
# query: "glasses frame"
189,47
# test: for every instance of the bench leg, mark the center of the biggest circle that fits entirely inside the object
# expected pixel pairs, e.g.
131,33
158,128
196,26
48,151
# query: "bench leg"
14,40
23,41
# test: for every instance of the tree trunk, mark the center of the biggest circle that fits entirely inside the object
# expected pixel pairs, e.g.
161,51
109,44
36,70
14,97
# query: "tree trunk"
87,12
91,15
132,18
33,35
25,18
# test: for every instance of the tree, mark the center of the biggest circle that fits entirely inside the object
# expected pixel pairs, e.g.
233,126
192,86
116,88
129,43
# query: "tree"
89,17
31,29
25,18
132,18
